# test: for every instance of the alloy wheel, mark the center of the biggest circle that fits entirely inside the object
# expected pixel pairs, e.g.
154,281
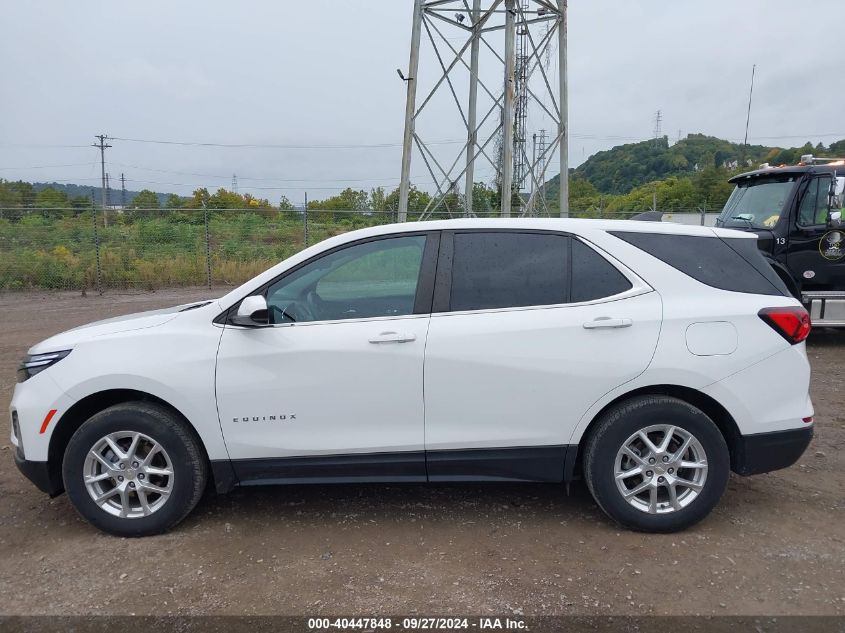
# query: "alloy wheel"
660,469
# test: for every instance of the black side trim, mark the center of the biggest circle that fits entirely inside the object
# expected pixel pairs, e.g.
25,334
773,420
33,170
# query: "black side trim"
530,463
425,281
571,472
224,475
326,469
39,474
443,276
765,452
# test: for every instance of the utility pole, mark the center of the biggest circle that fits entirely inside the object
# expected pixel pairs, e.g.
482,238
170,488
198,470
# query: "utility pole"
108,190
533,162
658,127
564,111
507,111
122,191
103,146
305,221
472,113
410,110
234,183
750,95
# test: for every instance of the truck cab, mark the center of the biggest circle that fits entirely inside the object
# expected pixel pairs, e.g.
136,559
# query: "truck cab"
796,212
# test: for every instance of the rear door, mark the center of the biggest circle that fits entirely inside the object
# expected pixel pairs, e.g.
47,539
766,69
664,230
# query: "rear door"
529,330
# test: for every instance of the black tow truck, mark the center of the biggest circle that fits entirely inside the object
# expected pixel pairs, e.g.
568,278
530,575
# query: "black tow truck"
796,212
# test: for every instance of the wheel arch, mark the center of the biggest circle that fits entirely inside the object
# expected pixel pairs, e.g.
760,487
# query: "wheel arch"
708,405
90,405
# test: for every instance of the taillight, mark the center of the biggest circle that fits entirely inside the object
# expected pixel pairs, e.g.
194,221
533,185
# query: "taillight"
792,323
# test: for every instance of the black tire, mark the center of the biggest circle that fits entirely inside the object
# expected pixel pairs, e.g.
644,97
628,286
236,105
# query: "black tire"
190,468
624,420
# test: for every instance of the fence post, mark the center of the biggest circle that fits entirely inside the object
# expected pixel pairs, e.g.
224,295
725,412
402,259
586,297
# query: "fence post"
305,220
207,246
96,244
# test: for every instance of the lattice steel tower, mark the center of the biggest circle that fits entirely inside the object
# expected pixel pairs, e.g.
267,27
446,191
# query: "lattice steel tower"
529,28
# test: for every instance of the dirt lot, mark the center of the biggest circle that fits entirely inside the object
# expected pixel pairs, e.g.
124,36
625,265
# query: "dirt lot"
775,545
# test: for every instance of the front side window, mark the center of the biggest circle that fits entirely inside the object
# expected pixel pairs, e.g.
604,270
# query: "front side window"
507,270
371,279
813,209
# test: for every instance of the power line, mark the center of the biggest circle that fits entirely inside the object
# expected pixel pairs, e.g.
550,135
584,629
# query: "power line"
275,145
51,166
188,184
256,179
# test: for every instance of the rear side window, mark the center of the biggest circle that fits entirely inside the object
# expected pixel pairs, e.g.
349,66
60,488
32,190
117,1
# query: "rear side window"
712,261
507,270
593,277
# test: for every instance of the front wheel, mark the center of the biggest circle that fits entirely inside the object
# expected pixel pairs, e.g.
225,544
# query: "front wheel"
656,464
134,469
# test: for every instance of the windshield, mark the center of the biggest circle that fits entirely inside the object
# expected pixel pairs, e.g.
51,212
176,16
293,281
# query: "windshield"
757,203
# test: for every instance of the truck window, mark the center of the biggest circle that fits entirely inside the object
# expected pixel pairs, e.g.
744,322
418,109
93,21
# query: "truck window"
757,202
813,209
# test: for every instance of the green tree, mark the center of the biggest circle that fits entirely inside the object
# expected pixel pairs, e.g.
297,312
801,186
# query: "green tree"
378,199
173,201
285,204
145,199
349,200
417,201
223,199
199,198
143,205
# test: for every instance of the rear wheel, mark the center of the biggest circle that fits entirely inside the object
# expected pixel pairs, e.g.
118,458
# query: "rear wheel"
656,463
134,469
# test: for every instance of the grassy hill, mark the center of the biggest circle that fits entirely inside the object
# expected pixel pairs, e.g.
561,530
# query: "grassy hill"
623,168
77,191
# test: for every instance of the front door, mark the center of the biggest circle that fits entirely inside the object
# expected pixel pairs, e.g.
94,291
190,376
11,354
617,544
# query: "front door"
816,255
334,386
521,344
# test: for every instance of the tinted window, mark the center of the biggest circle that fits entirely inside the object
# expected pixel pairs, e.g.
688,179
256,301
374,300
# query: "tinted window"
710,260
503,270
593,277
377,278
813,209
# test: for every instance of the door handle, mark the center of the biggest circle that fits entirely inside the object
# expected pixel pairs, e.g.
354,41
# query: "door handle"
393,337
607,323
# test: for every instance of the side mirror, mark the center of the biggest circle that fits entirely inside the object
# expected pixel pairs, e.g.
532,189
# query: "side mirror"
835,219
252,312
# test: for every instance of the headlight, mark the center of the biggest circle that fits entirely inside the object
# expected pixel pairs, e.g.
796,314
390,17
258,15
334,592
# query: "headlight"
36,363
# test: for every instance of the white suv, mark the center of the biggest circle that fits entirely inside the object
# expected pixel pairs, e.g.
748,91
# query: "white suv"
650,359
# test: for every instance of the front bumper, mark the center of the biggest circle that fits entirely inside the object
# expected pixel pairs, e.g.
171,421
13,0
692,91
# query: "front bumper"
765,452
39,474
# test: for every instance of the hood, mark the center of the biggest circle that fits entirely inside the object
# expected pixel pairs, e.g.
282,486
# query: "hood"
126,323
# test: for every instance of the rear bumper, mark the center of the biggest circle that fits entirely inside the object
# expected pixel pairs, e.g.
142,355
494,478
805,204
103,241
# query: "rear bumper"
765,452
39,474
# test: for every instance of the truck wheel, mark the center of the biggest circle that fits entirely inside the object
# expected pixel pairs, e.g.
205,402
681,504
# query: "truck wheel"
656,464
134,469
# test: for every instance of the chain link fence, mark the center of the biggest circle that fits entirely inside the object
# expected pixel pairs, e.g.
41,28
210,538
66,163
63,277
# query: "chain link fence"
96,250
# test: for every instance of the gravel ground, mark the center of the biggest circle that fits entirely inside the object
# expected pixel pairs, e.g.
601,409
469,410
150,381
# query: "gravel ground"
775,544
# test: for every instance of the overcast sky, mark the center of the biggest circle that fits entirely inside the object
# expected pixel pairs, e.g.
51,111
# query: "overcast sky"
322,73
